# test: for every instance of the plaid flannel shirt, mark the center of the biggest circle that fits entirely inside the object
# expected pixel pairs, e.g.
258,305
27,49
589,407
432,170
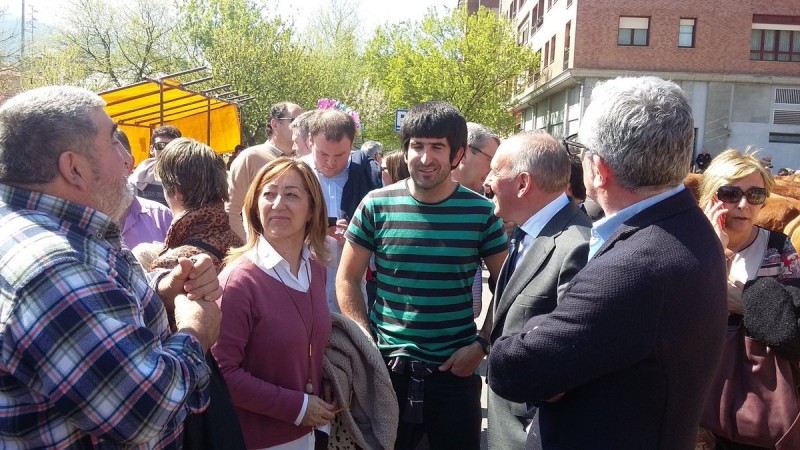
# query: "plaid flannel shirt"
86,356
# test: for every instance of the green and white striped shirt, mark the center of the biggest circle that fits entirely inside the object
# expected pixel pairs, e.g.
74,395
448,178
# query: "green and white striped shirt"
426,256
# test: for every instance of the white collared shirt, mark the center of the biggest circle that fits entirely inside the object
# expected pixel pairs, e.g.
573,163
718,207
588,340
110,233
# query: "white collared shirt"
265,257
332,187
536,223
603,229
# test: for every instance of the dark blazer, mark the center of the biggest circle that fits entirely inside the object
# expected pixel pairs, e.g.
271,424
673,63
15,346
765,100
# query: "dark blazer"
360,181
634,342
545,270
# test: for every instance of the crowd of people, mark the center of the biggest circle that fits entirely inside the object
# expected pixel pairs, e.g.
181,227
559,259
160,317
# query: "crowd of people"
307,295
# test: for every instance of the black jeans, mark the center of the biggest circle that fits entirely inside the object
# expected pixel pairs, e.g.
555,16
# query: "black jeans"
451,412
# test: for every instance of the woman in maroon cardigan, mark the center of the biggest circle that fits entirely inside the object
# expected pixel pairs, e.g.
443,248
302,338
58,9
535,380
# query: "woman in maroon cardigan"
275,318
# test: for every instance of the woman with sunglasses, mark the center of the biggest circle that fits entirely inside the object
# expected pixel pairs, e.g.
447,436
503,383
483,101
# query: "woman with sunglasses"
732,192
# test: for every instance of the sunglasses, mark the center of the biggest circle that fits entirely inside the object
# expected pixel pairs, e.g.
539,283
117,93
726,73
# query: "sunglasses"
160,145
733,194
285,118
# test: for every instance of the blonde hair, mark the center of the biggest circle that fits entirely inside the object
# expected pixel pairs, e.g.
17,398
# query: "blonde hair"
316,228
729,167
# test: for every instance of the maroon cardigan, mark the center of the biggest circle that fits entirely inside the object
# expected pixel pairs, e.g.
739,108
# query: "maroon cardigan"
262,350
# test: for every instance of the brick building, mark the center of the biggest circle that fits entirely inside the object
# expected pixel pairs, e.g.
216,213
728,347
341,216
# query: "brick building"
738,61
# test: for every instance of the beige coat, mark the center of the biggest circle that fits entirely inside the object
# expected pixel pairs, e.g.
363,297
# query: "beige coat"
352,363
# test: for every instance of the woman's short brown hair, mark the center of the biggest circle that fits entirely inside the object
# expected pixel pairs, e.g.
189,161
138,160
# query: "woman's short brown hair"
195,170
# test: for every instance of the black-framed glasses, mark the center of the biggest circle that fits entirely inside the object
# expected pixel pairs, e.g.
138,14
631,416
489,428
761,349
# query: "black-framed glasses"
477,150
574,147
734,194
286,118
160,145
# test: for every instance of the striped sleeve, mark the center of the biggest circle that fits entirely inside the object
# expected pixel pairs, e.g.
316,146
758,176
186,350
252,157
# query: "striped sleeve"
361,230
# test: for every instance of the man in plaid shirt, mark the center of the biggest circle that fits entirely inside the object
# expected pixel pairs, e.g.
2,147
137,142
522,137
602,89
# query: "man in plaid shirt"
87,356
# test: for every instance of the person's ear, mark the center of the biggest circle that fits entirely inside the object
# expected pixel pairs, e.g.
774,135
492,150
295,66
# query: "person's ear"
524,184
457,159
601,173
75,169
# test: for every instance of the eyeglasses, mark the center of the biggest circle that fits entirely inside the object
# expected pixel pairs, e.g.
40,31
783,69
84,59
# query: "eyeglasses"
476,149
160,145
347,406
575,148
734,194
285,118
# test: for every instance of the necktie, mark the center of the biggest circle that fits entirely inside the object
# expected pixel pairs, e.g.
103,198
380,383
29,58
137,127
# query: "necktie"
511,262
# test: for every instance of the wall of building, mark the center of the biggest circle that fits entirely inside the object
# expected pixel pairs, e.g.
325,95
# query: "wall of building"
733,98
722,44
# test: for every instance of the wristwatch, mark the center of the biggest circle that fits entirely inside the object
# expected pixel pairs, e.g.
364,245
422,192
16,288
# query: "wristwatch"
485,345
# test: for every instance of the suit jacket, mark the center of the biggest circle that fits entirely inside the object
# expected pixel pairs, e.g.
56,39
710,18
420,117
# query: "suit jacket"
634,342
360,181
545,270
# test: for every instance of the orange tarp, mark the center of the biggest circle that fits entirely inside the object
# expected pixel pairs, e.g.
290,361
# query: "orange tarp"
139,108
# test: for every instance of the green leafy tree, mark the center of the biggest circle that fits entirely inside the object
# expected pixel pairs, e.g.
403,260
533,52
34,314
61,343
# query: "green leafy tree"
48,62
334,50
255,54
469,60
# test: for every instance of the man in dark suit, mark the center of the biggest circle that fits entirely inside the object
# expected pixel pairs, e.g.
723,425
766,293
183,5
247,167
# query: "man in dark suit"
626,358
345,177
528,176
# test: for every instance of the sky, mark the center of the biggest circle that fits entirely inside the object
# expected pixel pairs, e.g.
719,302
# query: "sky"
372,12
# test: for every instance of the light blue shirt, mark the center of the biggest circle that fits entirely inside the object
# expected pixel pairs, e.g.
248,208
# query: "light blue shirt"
534,225
332,187
605,227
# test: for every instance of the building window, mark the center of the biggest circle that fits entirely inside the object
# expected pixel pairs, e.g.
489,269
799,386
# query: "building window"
634,31
552,49
566,44
775,45
785,138
546,59
569,3
522,32
686,33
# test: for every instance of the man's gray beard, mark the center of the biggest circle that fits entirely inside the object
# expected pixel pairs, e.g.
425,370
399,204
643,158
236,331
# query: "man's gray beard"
117,208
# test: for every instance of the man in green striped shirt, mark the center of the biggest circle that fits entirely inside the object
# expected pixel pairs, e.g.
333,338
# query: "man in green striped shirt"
428,235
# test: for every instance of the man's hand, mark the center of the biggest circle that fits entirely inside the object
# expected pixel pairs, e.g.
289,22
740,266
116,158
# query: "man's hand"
200,319
337,231
464,361
196,277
